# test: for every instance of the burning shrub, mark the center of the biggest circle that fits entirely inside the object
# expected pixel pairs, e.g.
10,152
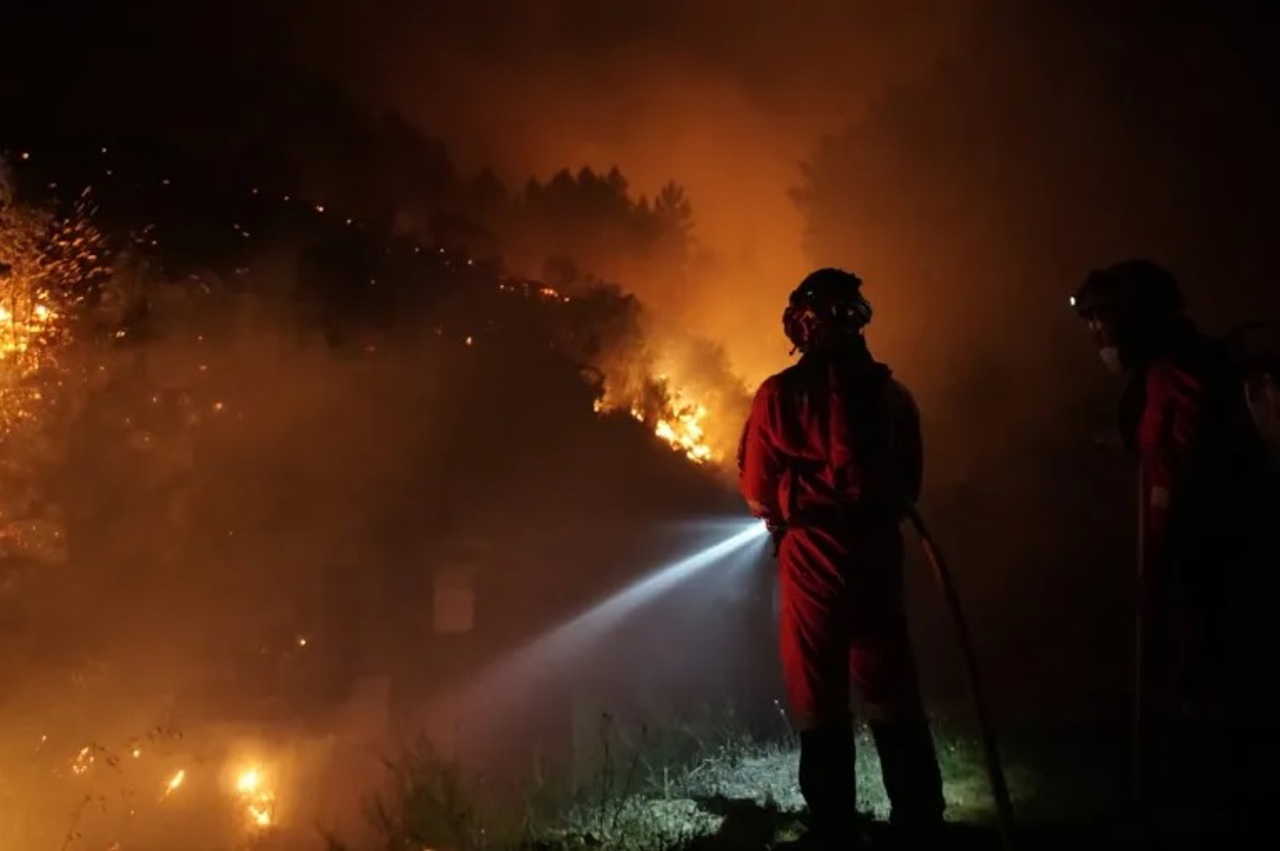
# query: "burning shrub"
679,385
50,267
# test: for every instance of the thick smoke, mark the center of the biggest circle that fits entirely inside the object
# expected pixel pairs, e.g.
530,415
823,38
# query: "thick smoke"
723,98
1053,141
232,498
969,160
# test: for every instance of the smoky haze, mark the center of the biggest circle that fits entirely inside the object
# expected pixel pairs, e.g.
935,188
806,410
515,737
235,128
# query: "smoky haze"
722,97
259,524
971,160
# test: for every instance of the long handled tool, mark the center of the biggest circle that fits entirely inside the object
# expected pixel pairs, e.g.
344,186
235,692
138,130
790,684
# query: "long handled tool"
1139,655
995,770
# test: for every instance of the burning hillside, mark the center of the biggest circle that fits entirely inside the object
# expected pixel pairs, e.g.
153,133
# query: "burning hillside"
680,425
169,437
679,386
681,389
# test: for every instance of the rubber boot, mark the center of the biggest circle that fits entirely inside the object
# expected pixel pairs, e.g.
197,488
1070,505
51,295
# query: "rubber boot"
829,786
912,780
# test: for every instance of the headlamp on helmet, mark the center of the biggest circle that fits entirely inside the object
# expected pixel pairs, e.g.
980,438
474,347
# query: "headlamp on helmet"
1137,290
1126,304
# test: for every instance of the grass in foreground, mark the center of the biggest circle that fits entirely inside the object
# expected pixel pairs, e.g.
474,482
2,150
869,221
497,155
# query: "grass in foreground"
677,791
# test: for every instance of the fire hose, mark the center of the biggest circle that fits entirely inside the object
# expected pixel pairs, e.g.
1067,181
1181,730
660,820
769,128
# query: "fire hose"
986,732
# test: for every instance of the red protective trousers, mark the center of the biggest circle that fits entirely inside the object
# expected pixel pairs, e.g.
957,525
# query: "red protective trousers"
1205,596
843,623
1188,429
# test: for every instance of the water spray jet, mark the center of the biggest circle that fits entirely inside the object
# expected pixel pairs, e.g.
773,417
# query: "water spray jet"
520,672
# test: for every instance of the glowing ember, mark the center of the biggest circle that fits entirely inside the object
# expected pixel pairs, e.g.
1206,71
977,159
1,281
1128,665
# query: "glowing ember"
83,760
553,294
258,800
175,781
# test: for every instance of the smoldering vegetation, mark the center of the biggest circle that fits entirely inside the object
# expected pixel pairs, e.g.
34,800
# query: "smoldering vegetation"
278,482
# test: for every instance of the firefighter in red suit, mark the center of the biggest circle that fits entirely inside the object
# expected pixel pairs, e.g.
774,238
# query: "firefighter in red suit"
1204,502
830,451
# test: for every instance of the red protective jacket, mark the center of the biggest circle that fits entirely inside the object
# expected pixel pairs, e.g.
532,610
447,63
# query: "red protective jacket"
827,434
1164,438
1186,420
1206,507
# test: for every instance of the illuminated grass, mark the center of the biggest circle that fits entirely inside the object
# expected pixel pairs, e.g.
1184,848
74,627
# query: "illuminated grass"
736,794
766,776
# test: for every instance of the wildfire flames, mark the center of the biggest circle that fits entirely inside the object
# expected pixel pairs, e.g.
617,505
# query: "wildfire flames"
682,425
47,262
47,266
27,332
251,794
257,800
17,333
685,429
26,326
676,419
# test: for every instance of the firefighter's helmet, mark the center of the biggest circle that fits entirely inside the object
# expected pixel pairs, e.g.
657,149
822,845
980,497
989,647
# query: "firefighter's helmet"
827,302
1131,291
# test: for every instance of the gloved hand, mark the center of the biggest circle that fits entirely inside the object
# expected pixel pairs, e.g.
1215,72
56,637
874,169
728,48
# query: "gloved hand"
777,531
